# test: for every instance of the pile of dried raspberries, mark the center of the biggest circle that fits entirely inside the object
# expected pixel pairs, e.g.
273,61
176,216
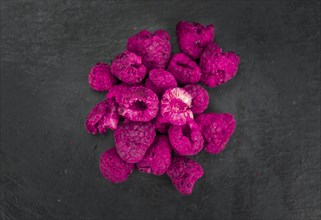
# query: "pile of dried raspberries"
155,107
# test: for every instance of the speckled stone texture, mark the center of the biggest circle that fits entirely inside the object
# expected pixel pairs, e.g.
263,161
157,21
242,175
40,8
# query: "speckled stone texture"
270,169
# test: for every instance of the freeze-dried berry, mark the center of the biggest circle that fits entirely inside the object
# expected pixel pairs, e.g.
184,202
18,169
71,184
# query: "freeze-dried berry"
175,106
154,48
184,69
200,98
217,67
159,80
137,103
187,139
100,77
157,158
129,68
132,140
216,128
184,173
136,98
161,124
113,168
103,116
116,92
194,37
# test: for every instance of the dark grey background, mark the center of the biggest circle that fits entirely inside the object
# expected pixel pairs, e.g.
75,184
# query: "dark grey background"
49,164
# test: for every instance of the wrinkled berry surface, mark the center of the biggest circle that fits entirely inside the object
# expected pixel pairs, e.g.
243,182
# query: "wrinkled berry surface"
216,129
187,139
132,139
103,116
161,124
129,68
194,37
150,91
159,80
113,168
175,106
116,92
157,158
217,67
154,48
100,77
137,103
200,98
184,173
184,69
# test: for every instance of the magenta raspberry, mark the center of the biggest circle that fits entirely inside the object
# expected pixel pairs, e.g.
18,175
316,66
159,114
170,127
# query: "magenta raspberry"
138,103
151,102
216,128
184,173
187,139
100,77
159,80
132,139
161,123
103,116
218,67
113,168
184,69
129,68
175,106
194,37
200,98
157,158
154,48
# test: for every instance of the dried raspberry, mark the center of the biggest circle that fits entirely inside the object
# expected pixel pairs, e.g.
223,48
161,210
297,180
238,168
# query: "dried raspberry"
138,103
185,70
154,48
217,67
161,124
113,168
159,80
100,77
216,129
132,140
194,37
187,139
103,116
157,158
200,98
184,173
117,91
175,106
128,67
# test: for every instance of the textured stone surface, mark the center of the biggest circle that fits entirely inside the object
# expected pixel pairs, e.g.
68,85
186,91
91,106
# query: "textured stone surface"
50,165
